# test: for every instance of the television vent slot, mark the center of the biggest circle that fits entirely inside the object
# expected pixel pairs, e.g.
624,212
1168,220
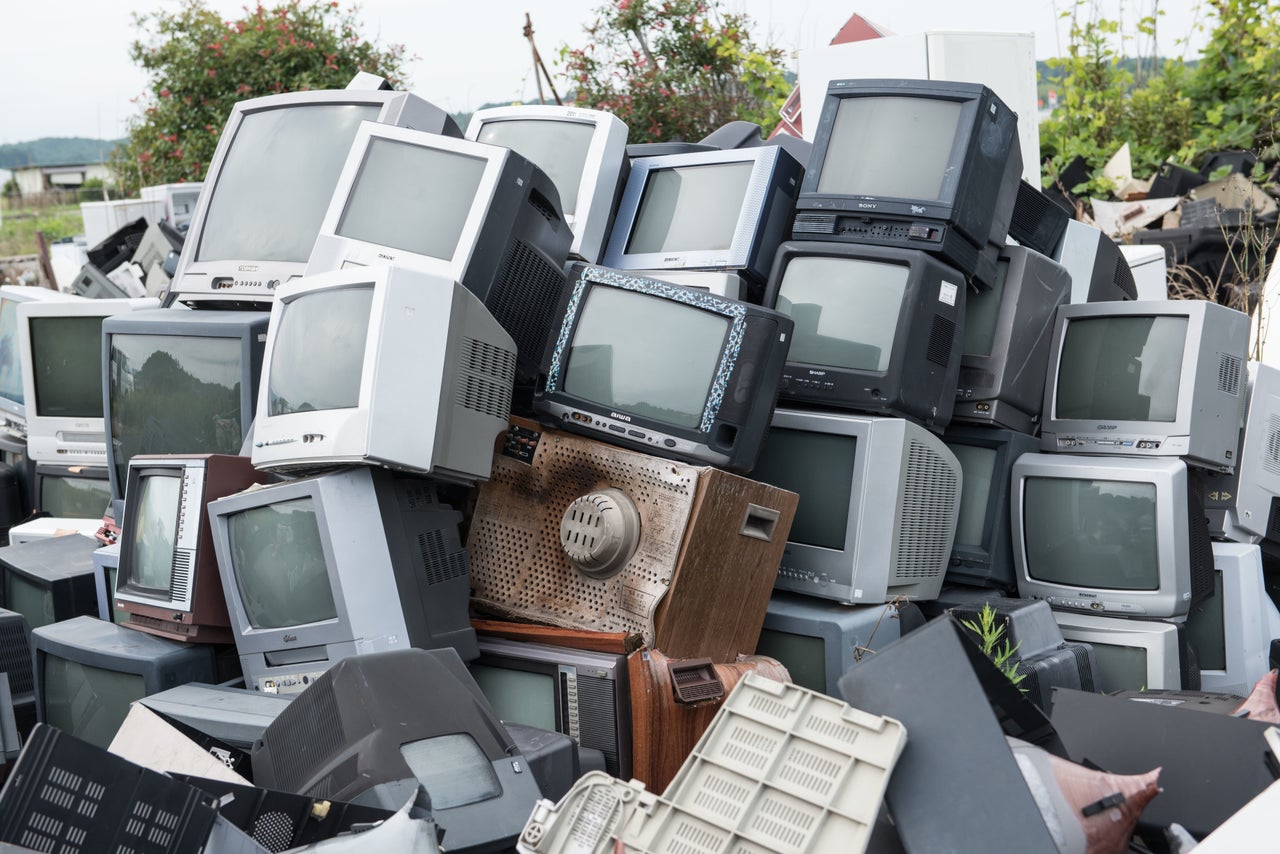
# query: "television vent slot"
1271,457
15,653
598,719
542,205
975,378
305,731
180,576
438,562
1123,277
811,223
525,293
481,395
926,515
941,337
1229,370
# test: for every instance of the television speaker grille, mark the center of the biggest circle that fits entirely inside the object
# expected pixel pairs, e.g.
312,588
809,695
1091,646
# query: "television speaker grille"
1229,371
15,652
485,378
525,294
180,576
941,336
598,719
927,514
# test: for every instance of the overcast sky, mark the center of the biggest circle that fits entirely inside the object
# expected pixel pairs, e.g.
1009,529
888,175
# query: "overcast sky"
65,68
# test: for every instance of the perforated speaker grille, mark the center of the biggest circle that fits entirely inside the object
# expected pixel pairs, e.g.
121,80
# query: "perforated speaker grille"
1271,455
273,831
525,292
485,378
926,517
302,732
941,336
974,378
1229,370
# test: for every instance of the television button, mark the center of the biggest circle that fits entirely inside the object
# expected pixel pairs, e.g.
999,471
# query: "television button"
635,433
670,443
615,428
920,232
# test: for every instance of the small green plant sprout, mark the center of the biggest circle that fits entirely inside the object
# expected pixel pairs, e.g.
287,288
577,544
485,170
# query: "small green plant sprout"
990,630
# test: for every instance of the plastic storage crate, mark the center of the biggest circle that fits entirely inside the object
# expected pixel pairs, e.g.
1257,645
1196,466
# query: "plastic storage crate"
781,769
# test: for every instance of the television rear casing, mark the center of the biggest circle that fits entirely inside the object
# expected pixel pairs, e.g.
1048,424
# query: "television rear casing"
1005,387
1254,515
1183,553
106,563
418,564
1250,621
967,225
903,505
604,172
1098,270
1211,389
435,386
65,440
763,222
13,413
923,370
1159,641
62,567
592,702
738,403
251,282
235,716
248,327
513,244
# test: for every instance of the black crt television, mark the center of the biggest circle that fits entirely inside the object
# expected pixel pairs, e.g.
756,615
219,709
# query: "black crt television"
50,580
878,329
72,492
918,164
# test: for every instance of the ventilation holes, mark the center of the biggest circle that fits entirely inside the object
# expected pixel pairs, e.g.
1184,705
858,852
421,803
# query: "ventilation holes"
928,506
485,379
180,575
975,378
1123,277
273,831
15,655
1271,458
525,293
306,730
941,336
438,562
1229,369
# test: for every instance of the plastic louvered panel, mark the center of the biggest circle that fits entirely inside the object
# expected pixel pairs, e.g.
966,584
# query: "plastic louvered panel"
310,726
598,719
484,379
1229,371
927,513
180,575
1271,457
523,297
438,562
941,336
15,652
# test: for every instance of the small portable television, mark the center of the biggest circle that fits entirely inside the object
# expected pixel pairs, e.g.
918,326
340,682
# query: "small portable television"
1099,271
61,350
1247,505
919,164
88,671
472,213
168,581
1129,654
72,492
580,693
982,554
708,210
269,183
1160,378
878,329
383,366
1006,341
13,411
178,382
1116,536
584,152
663,369
50,579
879,500
394,722
818,641
1232,630
318,569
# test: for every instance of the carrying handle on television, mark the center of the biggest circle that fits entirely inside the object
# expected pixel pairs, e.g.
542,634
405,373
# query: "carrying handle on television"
694,680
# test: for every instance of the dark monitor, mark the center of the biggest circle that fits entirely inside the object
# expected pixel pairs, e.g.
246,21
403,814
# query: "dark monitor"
374,721
1007,330
50,580
878,329
1038,222
918,164
983,550
72,492
88,671
168,579
667,370
178,382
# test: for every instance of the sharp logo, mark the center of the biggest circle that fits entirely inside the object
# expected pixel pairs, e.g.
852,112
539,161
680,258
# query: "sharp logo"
917,209
817,373
620,416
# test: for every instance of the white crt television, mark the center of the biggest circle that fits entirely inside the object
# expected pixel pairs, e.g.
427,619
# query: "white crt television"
1232,630
13,411
1253,511
1130,655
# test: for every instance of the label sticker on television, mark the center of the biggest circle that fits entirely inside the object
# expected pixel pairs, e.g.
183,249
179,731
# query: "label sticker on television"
947,293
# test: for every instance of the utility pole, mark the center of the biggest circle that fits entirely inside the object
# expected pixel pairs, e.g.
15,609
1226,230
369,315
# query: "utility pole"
539,69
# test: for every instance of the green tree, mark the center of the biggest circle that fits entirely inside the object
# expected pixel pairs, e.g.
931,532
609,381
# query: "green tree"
675,69
199,66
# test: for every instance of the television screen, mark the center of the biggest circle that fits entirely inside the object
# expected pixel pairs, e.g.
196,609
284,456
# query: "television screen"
28,599
318,353
286,161
70,497
690,207
819,468
88,702
977,465
425,215
10,360
1121,369
981,311
66,356
155,530
559,148
805,657
519,696
279,565
1120,668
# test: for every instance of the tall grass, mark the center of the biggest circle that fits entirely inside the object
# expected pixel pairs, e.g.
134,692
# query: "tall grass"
18,230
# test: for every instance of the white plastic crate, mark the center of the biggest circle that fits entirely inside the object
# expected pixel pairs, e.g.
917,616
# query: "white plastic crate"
781,769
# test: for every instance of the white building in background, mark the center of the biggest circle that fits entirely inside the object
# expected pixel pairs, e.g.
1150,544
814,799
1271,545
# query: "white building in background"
33,180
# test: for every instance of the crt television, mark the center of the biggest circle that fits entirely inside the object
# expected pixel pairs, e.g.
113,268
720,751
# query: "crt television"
178,382
322,568
383,366
467,212
920,164
1232,630
61,349
106,563
663,369
268,186
710,210
982,554
1006,341
88,671
879,499
1129,655
1098,269
167,579
583,151
413,716
1251,503
1118,536
13,412
578,692
72,492
1147,378
51,579
878,329
234,716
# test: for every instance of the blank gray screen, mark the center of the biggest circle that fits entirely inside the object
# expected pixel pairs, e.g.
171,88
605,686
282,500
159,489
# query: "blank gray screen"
1120,668
890,147
976,464
66,363
819,468
518,696
1091,533
845,310
153,533
279,565
1121,369
558,148
276,182
690,208
980,312
74,497
1206,629
88,702
412,197
645,355
318,354
805,657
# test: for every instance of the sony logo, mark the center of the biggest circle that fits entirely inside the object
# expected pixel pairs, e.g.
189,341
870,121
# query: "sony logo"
620,416
247,268
866,206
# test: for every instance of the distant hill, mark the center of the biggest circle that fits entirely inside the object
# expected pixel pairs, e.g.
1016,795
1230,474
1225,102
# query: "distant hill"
54,151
